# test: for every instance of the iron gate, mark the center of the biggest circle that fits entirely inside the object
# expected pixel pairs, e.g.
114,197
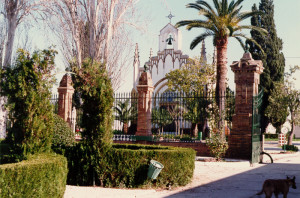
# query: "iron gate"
256,136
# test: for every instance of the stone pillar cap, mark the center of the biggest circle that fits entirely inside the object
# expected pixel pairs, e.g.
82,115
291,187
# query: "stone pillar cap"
66,81
145,79
247,63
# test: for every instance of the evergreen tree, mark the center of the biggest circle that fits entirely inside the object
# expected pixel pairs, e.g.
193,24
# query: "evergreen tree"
272,57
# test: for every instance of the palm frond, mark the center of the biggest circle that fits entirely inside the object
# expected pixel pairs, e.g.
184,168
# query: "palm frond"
236,4
251,27
225,7
183,23
209,13
118,111
194,5
217,5
200,38
204,3
230,7
250,39
240,41
198,24
231,30
244,15
234,13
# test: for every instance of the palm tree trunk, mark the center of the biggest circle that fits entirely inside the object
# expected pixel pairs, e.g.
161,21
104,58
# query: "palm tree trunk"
125,128
194,129
221,45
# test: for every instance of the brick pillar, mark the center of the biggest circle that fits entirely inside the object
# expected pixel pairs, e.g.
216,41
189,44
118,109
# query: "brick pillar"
65,93
246,76
145,90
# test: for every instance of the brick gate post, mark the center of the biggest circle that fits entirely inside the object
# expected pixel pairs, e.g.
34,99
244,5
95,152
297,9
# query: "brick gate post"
65,93
145,90
246,76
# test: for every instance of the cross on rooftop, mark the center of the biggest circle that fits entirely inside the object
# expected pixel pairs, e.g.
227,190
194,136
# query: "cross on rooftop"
170,16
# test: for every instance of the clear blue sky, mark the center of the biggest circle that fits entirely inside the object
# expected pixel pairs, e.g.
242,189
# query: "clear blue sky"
287,22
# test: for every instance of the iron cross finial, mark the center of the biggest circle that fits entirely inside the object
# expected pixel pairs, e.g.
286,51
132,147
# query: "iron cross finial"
170,16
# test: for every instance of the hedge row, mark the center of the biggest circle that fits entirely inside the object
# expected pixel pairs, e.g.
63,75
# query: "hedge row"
127,166
42,175
271,136
290,147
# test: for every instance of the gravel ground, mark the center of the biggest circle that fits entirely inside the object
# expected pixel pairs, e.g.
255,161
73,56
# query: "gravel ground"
213,179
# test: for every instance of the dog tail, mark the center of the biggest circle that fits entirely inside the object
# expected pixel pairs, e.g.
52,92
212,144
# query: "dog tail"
261,192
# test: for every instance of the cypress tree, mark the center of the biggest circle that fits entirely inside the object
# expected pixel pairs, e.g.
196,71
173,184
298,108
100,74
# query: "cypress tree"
273,58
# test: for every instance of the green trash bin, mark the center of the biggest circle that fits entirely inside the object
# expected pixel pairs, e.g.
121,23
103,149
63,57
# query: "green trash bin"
200,135
154,169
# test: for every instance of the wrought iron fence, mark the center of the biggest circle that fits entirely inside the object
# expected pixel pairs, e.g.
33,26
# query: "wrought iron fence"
174,115
125,113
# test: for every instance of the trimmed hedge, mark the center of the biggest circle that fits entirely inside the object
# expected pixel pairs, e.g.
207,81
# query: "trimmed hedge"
126,165
290,147
42,175
271,136
62,135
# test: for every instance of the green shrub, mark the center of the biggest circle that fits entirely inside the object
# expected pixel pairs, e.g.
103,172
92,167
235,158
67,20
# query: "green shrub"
271,136
42,175
62,135
79,164
94,86
27,86
117,132
127,165
217,144
290,147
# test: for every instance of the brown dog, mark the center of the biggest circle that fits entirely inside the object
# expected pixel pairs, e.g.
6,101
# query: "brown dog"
277,186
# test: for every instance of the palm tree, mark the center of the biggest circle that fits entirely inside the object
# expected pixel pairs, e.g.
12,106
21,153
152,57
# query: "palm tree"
126,112
197,112
221,22
161,117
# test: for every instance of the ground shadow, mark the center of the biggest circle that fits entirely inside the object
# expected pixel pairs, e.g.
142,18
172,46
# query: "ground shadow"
246,184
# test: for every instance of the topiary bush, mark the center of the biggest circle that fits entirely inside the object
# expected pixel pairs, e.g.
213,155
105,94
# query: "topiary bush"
42,175
62,135
126,165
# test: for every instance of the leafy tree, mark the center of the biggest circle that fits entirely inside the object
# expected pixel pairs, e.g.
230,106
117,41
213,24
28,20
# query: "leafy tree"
284,100
126,112
27,86
272,56
221,22
293,101
277,111
194,80
161,117
96,92
195,76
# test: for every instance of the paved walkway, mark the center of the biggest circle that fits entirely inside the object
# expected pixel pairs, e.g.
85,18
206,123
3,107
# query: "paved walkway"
214,179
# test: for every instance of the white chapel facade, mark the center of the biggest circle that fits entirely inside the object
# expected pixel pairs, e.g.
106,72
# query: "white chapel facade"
168,58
